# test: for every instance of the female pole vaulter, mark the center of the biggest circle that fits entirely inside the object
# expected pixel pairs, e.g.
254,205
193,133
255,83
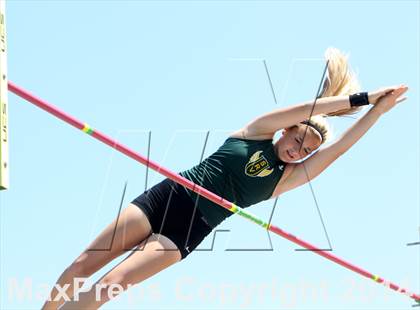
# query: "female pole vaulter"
168,221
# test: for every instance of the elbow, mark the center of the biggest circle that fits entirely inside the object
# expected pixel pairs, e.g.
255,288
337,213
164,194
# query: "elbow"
339,153
337,149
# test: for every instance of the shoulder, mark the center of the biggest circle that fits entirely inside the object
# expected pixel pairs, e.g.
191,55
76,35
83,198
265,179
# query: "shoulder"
243,134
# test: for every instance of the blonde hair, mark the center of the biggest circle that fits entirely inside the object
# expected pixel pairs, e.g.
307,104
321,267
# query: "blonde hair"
340,80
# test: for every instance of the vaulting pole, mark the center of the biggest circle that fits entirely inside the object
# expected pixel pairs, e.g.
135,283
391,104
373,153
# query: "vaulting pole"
200,190
4,142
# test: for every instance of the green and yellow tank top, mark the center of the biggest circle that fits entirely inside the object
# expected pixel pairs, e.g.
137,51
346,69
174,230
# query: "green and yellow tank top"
242,171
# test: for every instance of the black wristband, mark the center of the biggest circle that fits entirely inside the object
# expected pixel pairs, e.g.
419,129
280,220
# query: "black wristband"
359,99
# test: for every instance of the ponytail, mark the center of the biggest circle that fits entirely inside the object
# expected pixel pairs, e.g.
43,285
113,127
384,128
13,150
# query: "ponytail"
340,80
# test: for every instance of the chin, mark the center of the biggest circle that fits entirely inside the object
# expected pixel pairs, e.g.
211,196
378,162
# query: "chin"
285,158
282,155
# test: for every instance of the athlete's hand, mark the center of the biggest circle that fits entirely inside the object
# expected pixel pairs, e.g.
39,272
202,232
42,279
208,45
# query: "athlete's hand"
389,100
381,92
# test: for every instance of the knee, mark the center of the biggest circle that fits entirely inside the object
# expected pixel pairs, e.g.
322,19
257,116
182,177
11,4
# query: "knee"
111,286
114,279
80,268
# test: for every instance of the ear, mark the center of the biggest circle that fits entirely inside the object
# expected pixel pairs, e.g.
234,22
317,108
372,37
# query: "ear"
286,130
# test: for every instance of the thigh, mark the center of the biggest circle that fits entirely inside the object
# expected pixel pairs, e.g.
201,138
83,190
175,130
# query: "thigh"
172,213
129,229
183,223
151,256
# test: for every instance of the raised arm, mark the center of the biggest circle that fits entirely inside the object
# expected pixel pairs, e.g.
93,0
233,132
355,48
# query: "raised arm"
275,120
313,166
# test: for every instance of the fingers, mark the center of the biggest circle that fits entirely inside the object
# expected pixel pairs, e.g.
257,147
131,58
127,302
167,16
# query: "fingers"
399,91
395,93
385,91
391,89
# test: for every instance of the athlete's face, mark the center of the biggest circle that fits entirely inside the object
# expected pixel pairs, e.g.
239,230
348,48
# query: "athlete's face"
289,147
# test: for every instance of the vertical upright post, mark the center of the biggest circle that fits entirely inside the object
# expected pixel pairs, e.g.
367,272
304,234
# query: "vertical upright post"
4,152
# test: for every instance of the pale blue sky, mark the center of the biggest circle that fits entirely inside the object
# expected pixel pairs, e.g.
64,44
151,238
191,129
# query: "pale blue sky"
180,69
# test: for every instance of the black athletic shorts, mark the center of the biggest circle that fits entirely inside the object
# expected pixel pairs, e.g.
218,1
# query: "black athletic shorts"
170,211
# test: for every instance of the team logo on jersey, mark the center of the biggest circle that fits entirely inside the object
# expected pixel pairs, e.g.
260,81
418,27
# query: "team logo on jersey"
258,166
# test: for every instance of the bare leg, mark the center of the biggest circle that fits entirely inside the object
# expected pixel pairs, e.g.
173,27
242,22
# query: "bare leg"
125,232
158,254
